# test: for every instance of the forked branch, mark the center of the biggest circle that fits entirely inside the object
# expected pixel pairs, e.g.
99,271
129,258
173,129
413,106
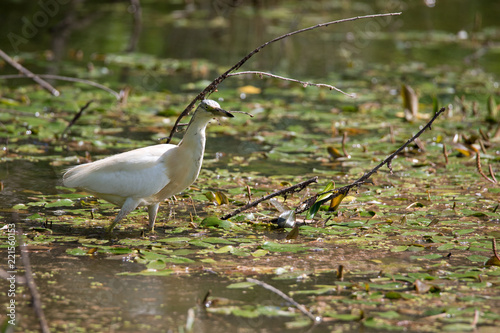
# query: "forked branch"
215,83
363,179
29,74
291,189
306,204
480,170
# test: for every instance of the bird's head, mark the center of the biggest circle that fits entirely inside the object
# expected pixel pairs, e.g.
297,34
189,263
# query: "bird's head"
213,108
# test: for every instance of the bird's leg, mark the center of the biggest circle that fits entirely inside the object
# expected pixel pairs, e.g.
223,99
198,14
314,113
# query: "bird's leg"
129,205
152,211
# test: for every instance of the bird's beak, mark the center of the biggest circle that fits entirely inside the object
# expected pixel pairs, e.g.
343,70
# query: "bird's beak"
222,113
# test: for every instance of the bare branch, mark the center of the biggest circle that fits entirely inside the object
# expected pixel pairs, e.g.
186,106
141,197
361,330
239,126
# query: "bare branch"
37,301
303,83
480,170
215,83
306,204
315,319
291,189
363,179
29,74
76,117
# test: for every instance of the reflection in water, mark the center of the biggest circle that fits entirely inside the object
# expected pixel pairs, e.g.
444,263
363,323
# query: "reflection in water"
23,178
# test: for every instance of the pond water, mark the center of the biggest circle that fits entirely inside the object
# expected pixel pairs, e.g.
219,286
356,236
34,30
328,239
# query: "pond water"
156,283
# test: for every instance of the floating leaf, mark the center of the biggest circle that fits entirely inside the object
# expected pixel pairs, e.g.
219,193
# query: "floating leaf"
213,221
114,250
178,260
478,258
493,261
259,253
334,152
35,217
389,315
200,243
217,240
399,248
156,264
175,240
249,90
393,295
78,252
224,249
446,247
345,316
285,247
60,203
240,285
335,203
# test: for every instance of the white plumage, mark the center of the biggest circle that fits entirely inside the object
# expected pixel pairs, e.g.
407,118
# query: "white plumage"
147,176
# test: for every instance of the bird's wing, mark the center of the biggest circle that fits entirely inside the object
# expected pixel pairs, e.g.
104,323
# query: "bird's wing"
136,173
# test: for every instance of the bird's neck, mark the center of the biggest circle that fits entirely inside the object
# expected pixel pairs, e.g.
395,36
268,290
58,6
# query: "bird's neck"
195,137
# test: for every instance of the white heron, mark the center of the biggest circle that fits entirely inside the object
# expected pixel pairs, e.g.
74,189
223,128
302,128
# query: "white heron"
147,176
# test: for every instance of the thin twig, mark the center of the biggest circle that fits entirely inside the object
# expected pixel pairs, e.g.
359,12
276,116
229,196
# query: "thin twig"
391,133
315,319
492,174
445,154
291,189
66,78
249,193
303,83
76,117
344,139
476,319
37,301
480,170
215,83
29,74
